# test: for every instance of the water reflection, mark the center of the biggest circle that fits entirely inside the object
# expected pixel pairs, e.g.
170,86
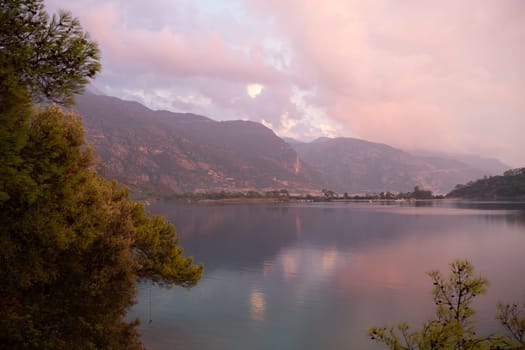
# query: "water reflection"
315,276
257,305
267,266
297,224
518,218
329,260
289,264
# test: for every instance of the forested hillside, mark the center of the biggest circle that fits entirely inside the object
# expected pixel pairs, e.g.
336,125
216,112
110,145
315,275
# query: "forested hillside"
509,186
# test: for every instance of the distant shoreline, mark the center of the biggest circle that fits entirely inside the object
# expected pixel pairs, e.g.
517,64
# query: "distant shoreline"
229,200
289,200
206,201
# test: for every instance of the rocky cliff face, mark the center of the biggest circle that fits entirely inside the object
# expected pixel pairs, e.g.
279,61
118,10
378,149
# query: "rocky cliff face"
160,151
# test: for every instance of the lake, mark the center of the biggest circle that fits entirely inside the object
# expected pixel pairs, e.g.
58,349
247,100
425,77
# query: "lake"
317,275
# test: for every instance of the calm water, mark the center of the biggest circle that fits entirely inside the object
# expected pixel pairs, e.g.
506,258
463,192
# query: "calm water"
316,276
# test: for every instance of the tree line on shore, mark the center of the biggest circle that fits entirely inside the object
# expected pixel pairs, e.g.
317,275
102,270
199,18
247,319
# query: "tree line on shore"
509,186
324,195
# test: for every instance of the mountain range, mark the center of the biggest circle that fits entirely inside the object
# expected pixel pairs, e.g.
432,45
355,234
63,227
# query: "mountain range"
161,152
356,165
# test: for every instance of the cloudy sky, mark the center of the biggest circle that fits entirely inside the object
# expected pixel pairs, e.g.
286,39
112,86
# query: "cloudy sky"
417,74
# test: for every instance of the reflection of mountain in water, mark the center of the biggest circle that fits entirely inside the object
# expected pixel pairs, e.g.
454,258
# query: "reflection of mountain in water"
517,219
231,235
249,235
316,275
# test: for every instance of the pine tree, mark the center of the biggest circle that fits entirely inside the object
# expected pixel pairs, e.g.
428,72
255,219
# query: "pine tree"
52,57
453,326
72,245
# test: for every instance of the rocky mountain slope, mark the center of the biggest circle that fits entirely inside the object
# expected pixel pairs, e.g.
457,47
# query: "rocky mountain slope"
162,152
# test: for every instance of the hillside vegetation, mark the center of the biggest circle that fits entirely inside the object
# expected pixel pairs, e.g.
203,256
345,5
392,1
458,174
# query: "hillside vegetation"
509,186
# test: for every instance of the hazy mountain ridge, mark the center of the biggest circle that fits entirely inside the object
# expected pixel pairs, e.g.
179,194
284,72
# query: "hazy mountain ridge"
356,166
162,152
490,166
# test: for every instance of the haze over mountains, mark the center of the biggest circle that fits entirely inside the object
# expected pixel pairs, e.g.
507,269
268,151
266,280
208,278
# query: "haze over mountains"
161,152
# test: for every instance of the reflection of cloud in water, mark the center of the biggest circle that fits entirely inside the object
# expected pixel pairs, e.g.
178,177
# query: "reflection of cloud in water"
257,305
329,260
267,266
311,264
306,271
298,226
290,264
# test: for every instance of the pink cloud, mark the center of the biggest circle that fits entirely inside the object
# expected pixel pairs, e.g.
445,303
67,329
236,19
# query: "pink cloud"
163,51
415,74
442,75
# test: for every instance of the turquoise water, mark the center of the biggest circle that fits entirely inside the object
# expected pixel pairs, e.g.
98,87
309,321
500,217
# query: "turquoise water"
316,276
